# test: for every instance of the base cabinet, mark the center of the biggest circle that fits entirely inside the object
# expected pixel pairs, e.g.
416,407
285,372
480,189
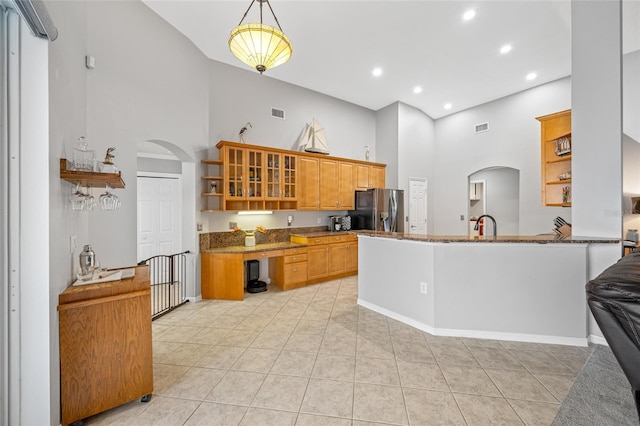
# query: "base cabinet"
105,345
330,257
290,270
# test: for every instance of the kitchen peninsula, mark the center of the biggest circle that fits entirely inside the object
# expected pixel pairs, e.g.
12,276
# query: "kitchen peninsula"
521,288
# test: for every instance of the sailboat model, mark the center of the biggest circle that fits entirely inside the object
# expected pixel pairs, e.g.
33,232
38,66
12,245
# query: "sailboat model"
313,138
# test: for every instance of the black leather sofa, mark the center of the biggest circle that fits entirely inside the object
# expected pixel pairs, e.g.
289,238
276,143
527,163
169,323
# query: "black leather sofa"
614,299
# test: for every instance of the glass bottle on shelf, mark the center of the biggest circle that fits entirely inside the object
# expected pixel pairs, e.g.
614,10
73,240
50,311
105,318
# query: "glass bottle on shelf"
83,159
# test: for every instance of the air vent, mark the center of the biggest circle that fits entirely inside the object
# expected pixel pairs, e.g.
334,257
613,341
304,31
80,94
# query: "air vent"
277,113
482,127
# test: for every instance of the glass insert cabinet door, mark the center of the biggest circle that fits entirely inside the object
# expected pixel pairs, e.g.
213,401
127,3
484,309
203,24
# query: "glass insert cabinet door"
273,175
289,177
235,163
255,171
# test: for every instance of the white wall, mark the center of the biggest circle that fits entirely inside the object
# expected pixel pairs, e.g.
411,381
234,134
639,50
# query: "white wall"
416,154
512,141
631,94
387,134
149,83
502,189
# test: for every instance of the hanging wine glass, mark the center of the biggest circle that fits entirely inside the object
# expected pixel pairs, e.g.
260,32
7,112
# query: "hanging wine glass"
77,199
108,200
90,201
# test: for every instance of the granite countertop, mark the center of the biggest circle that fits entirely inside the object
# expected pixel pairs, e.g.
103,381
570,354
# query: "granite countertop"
541,239
324,234
253,249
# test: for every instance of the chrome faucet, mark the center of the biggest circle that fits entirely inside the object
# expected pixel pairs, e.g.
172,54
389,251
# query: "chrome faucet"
495,227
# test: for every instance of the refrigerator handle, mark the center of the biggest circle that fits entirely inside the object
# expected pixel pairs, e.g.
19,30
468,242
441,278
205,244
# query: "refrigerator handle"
393,209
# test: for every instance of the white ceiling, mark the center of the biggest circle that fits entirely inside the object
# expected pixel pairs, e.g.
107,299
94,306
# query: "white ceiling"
336,45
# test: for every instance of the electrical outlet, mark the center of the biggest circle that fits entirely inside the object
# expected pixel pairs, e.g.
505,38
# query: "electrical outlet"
423,287
461,217
73,243
319,221
233,225
199,226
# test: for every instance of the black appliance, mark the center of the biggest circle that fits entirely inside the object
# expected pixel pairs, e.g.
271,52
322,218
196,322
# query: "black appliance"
253,273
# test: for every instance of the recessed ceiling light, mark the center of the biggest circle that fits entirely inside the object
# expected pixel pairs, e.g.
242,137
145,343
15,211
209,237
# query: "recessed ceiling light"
377,72
447,105
531,76
505,49
469,14
417,89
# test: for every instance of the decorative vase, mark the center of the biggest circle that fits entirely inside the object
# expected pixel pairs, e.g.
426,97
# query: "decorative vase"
250,240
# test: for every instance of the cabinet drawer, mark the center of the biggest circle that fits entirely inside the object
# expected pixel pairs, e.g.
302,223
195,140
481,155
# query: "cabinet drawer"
295,258
297,250
295,273
315,241
263,254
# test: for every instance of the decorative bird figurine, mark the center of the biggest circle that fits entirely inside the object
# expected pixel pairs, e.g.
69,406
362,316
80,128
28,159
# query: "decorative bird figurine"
243,130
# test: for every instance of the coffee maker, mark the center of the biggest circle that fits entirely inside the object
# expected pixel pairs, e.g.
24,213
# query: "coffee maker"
339,223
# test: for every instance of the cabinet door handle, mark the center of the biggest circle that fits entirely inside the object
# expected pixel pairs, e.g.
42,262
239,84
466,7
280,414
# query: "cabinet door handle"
295,269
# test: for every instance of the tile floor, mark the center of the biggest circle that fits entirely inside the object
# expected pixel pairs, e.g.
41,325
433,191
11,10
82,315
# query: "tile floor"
312,356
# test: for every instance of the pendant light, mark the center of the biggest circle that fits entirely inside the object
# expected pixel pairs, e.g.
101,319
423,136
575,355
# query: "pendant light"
258,45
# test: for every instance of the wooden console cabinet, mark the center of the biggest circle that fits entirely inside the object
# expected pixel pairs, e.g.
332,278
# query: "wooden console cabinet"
105,345
330,257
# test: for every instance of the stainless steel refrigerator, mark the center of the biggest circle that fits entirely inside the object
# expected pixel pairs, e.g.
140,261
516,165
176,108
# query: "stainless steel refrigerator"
379,209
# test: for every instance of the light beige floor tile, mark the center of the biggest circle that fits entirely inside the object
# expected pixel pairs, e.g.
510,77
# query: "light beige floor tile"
480,343
311,326
535,413
337,367
522,346
241,338
413,351
253,323
341,329
378,371
404,332
214,414
196,383
520,385
340,345
166,411
256,360
180,334
314,313
281,393
220,357
162,350
157,330
430,407
559,386
421,375
187,354
264,417
270,340
294,363
237,387
241,309
473,380
541,362
573,362
379,403
303,342
328,397
486,410
453,355
443,340
313,420
490,357
227,321
164,375
282,325
374,348
210,336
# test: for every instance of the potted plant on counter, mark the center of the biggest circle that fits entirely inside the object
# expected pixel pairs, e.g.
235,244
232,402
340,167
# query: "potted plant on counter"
250,235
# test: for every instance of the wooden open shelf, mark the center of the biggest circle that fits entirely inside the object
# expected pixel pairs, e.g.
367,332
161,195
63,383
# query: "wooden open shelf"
91,179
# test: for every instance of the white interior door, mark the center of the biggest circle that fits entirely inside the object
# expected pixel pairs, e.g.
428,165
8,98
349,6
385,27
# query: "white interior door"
159,218
417,206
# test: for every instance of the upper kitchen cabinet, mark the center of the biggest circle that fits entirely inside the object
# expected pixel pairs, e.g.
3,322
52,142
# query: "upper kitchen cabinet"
262,178
555,138
370,176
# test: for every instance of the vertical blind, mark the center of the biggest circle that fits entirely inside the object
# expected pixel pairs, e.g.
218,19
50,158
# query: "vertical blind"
35,15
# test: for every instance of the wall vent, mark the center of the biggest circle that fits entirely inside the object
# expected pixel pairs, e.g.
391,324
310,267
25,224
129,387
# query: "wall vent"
277,113
482,127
